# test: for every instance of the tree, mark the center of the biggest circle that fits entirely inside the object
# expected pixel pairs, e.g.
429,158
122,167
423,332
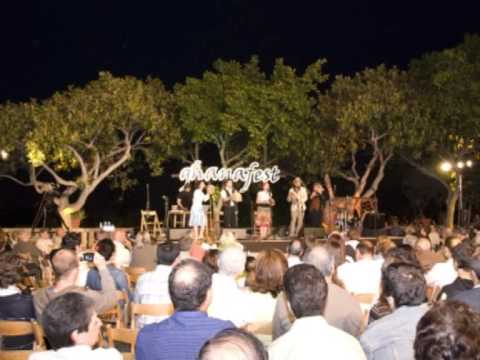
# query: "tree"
445,114
370,110
212,110
76,139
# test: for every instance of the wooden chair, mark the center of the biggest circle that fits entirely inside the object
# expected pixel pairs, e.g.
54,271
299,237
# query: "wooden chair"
126,336
117,315
22,328
15,354
134,273
149,310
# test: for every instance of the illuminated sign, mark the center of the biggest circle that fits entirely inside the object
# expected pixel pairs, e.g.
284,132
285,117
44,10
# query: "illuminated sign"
248,175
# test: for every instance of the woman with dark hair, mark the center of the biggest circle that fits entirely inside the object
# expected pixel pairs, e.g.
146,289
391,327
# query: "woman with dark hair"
211,259
14,305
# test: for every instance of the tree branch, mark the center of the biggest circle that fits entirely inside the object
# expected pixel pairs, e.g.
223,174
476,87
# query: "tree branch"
81,162
58,178
14,179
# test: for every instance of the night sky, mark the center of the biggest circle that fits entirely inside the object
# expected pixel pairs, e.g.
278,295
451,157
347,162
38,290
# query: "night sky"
48,45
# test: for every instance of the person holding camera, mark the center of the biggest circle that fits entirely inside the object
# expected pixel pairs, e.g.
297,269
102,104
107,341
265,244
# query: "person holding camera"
65,264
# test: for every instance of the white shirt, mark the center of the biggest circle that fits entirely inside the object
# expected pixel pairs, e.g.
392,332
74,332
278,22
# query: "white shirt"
441,274
122,256
264,197
228,301
293,260
361,277
297,198
9,291
45,245
152,288
79,352
198,198
312,338
83,270
261,306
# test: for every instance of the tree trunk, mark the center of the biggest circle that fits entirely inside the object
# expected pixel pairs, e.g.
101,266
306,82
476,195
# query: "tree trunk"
328,185
451,205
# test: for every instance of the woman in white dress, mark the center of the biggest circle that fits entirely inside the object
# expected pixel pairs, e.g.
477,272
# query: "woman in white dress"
263,215
198,220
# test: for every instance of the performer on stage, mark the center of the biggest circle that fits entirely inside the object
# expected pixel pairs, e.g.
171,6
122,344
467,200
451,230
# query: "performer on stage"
297,197
198,220
184,198
318,199
230,197
264,202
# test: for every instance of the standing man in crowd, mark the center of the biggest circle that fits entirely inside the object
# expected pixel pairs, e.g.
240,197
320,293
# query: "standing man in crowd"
183,334
297,197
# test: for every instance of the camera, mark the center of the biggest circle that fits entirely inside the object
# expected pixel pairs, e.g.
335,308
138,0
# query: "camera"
88,256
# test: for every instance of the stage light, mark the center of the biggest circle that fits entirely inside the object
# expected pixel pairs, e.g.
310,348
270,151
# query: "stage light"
469,163
4,155
445,166
460,164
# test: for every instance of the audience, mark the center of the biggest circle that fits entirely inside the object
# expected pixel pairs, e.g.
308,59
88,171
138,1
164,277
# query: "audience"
152,287
363,275
211,259
44,243
233,344
472,296
183,334
342,310
310,334
294,252
426,257
144,253
106,248
24,246
267,283
66,268
449,330
14,305
72,241
72,328
228,301
392,336
444,273
122,256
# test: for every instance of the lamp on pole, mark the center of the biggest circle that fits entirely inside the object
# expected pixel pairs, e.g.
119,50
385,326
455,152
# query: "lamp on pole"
458,168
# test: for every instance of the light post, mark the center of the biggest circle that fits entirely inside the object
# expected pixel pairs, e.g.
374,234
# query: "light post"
458,168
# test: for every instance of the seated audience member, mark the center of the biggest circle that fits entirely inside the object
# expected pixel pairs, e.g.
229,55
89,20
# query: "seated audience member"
183,334
294,252
66,268
463,282
392,336
336,246
152,287
383,245
411,236
24,246
13,304
72,241
270,266
228,301
342,310
351,241
122,256
449,330
72,329
362,276
246,279
394,228
444,273
426,257
211,259
57,237
472,297
44,243
434,238
144,253
310,335
106,248
233,344
185,243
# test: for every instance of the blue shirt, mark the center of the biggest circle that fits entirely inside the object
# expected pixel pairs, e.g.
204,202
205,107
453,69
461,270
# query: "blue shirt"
179,337
119,278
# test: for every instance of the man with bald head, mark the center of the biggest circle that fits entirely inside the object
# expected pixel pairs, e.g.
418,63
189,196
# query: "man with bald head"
342,309
65,266
182,335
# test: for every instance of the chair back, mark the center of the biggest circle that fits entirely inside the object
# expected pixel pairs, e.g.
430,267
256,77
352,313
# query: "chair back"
22,328
126,336
15,354
149,310
117,314
134,273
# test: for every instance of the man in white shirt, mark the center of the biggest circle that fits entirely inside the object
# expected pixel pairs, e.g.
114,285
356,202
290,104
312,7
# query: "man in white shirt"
122,253
72,328
228,301
311,336
152,287
364,275
444,273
